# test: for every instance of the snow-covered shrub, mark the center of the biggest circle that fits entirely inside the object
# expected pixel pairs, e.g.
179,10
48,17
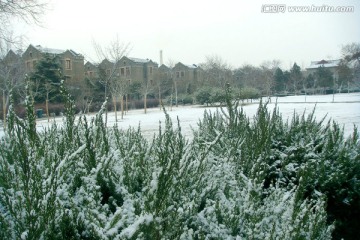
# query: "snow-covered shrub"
305,153
235,179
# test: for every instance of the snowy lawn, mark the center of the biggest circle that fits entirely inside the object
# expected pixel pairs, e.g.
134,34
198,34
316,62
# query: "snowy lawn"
345,110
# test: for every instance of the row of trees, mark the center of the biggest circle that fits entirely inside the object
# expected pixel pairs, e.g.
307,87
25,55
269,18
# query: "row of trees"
264,80
267,79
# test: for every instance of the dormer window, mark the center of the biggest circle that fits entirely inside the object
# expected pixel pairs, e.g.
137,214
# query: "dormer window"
68,64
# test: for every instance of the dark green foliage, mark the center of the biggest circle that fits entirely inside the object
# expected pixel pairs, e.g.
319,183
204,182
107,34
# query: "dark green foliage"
310,81
218,96
280,80
185,99
46,79
296,78
345,75
203,96
211,96
305,152
249,93
324,77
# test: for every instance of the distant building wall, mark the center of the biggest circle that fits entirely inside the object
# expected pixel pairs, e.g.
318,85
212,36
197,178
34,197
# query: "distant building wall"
332,65
72,63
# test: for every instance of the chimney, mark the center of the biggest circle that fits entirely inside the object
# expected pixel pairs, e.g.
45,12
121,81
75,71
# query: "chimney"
161,58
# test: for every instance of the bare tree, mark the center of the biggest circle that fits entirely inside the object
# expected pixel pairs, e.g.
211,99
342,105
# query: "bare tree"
268,70
351,57
174,90
112,81
351,52
11,77
28,11
217,71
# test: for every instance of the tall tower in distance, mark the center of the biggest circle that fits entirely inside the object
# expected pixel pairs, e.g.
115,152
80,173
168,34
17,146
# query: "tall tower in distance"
161,57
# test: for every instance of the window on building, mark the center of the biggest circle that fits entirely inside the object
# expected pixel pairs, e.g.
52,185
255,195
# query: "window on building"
28,65
67,64
177,74
122,71
127,71
108,72
150,70
182,73
31,54
91,74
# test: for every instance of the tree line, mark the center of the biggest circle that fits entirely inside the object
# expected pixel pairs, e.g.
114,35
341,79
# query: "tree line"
248,81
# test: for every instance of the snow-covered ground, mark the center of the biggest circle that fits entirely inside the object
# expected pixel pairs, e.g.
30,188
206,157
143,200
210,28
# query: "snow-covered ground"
343,108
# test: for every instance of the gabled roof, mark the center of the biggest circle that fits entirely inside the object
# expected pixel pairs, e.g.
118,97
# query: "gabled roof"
164,67
10,58
106,61
72,52
12,55
139,60
55,51
193,66
49,50
88,65
324,63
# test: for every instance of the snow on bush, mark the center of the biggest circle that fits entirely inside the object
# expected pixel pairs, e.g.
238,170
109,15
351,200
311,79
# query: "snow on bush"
236,179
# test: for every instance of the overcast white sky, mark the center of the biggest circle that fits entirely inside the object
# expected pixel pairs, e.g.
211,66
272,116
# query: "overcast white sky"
190,30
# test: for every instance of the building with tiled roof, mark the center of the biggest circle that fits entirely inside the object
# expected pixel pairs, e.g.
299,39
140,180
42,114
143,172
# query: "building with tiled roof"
186,76
332,65
72,63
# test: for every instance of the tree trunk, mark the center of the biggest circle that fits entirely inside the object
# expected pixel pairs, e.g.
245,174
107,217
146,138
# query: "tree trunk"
160,102
122,106
47,107
126,103
115,100
176,95
106,110
88,106
4,109
145,100
171,99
